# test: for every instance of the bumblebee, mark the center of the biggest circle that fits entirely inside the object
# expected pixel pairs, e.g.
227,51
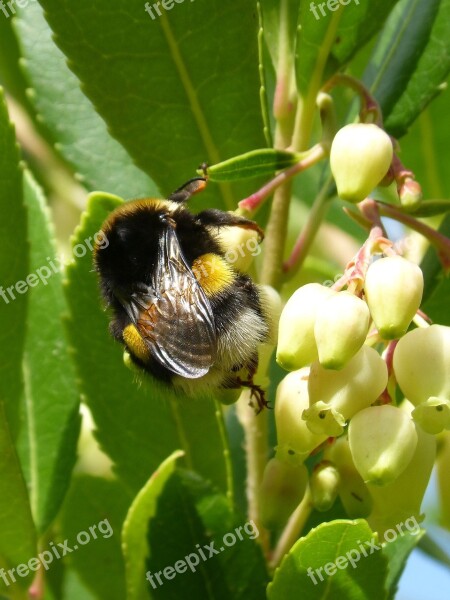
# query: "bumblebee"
185,315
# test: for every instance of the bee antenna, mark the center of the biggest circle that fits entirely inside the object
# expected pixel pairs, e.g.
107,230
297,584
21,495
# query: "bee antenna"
191,187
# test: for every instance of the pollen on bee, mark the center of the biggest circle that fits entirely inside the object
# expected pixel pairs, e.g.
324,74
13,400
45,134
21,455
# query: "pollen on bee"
212,272
135,343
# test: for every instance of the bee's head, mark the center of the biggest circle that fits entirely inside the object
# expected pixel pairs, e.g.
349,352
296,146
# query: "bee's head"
133,232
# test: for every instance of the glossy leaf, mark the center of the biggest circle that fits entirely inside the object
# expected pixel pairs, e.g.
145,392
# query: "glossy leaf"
70,119
360,21
311,567
158,81
436,305
232,570
74,588
13,268
91,522
428,79
17,533
397,552
314,41
271,25
344,29
410,61
11,75
434,277
252,164
424,150
430,208
134,532
51,423
138,423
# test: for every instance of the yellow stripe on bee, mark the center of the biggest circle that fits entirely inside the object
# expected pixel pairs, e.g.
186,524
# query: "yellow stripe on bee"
135,343
213,273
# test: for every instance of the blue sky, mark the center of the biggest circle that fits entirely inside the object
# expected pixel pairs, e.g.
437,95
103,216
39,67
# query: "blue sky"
425,578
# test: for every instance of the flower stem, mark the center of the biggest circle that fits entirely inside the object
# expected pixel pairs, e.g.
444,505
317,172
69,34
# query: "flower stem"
254,201
292,530
276,233
441,243
370,109
226,453
256,449
306,238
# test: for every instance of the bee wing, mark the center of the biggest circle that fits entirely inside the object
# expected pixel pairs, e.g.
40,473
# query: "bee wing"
175,318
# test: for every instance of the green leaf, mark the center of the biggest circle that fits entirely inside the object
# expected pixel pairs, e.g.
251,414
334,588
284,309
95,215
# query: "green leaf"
97,507
360,21
10,74
410,61
425,149
17,533
13,268
271,24
316,35
177,89
397,553
305,566
134,532
70,119
234,571
138,424
315,39
430,208
428,79
74,588
51,422
252,164
434,278
436,305
432,548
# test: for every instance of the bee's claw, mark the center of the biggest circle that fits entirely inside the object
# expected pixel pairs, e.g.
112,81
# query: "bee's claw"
257,393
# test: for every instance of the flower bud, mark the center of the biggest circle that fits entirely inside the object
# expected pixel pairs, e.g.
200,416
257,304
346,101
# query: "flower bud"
282,488
410,194
295,440
353,492
336,396
433,415
342,323
324,485
360,157
393,288
240,245
422,363
400,501
382,441
296,343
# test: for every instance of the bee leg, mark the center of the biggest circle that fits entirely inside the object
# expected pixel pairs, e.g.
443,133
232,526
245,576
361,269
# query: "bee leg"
257,393
188,189
219,218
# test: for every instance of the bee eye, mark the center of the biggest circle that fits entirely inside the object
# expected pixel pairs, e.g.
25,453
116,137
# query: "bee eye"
162,217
